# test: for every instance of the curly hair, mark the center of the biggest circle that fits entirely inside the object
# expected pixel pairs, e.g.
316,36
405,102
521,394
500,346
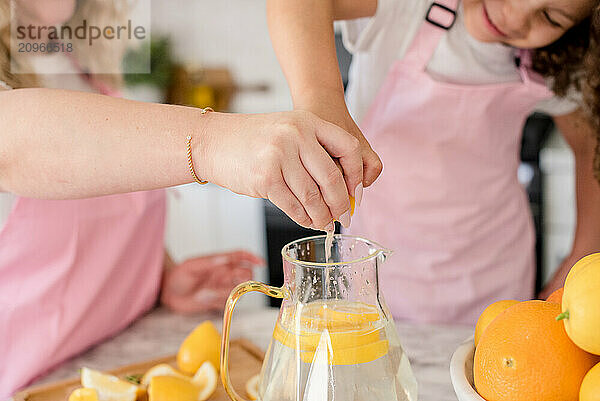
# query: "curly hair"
573,62
592,83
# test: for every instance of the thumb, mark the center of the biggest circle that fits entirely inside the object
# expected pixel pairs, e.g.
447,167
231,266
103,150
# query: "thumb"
344,147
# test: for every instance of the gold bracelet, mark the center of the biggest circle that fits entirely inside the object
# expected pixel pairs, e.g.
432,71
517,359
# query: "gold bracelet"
189,152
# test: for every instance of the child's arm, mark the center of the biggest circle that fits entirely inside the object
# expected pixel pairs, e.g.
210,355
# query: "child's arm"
65,144
581,137
303,39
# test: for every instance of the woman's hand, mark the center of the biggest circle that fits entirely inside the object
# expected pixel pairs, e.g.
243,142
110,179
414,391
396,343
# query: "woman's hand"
203,284
287,158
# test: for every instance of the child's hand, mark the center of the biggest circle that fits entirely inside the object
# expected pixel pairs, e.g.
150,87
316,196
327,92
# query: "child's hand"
203,284
333,109
286,158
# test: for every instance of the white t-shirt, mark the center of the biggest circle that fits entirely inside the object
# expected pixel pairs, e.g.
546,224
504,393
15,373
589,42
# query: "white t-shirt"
378,41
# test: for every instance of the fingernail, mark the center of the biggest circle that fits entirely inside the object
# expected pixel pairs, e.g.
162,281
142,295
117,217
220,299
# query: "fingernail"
358,193
345,219
330,226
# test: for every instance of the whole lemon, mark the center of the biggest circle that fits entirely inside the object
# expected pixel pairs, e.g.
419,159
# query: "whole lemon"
581,297
490,314
590,387
589,260
201,345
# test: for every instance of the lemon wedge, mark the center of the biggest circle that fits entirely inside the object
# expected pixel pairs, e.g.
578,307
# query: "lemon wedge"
166,384
84,394
201,345
108,387
252,387
162,369
171,388
206,380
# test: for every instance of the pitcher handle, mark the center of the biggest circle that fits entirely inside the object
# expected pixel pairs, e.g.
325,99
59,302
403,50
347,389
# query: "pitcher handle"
236,293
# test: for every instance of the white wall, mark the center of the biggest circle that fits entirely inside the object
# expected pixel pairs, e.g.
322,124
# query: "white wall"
230,33
558,167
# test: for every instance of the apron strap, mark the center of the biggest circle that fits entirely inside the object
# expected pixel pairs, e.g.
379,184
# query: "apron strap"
529,76
439,18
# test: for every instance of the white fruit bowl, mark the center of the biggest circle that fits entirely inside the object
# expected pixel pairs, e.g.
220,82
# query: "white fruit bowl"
461,372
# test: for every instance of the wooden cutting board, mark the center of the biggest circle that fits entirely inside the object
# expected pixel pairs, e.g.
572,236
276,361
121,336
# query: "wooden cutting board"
245,362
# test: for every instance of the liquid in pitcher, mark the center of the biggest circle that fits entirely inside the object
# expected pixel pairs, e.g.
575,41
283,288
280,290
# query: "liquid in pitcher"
330,350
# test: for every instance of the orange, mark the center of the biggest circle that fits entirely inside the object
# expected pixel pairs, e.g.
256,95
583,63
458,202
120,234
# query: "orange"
580,311
556,296
590,388
524,355
490,314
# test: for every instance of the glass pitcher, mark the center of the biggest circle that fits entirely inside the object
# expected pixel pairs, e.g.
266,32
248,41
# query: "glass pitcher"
334,338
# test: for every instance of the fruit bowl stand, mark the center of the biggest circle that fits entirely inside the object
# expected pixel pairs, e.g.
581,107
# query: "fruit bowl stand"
461,372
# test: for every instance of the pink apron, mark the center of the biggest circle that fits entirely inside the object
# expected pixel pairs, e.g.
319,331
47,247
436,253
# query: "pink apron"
449,203
72,273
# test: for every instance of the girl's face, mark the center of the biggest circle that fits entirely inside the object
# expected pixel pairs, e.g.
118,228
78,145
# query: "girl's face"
45,13
524,24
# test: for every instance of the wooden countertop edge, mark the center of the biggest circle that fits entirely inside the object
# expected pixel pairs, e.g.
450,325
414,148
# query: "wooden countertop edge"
43,388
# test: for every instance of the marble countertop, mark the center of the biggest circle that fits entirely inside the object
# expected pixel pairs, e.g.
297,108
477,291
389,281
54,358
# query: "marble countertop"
159,333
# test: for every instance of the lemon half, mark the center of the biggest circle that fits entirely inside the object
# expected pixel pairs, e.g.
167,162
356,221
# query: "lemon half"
206,380
162,369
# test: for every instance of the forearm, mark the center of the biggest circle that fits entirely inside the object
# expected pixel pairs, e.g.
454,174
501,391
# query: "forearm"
168,262
587,233
63,144
303,38
580,136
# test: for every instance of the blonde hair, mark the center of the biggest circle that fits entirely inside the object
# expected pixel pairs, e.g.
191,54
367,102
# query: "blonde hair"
13,80
103,56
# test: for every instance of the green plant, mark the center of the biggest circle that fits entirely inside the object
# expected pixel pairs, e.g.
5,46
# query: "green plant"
161,64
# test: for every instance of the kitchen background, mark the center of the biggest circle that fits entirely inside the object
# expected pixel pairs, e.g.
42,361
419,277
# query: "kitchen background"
219,54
